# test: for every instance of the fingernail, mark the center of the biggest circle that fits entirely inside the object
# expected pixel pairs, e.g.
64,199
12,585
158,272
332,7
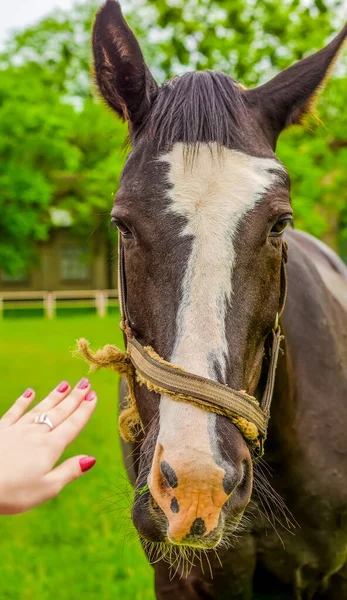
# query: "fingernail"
62,387
83,384
90,396
29,392
87,463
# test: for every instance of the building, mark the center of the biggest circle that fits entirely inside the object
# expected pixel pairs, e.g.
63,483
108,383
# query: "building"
67,262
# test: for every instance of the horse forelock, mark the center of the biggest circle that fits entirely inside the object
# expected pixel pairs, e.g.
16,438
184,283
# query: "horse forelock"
198,107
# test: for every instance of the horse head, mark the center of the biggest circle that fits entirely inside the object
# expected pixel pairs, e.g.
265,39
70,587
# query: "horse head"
202,205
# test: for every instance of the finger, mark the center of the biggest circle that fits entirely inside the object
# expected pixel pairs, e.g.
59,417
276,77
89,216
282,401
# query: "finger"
18,408
68,471
65,433
53,398
64,409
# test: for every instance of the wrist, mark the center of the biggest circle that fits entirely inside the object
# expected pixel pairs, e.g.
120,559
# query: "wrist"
8,503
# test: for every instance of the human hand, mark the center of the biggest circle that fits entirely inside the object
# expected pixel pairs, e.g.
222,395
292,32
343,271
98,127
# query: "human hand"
29,450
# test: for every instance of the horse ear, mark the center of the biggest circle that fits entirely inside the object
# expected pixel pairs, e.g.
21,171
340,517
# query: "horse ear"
120,70
288,97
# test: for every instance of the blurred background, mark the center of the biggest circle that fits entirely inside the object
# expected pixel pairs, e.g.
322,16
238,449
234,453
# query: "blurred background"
61,154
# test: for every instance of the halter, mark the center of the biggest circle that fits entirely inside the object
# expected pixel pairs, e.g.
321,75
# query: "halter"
160,376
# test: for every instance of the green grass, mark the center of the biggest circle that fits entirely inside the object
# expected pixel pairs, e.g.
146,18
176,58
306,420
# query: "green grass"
81,545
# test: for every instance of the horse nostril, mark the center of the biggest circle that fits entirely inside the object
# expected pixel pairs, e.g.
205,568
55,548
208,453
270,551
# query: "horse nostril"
169,474
198,527
175,508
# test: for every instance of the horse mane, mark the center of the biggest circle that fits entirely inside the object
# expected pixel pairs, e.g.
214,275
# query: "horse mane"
197,107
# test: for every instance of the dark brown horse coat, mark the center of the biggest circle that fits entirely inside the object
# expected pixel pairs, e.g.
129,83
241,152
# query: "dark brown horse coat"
306,449
202,208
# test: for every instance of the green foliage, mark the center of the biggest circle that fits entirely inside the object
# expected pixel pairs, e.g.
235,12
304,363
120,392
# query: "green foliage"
60,146
32,139
316,158
60,45
81,545
252,40
249,39
52,153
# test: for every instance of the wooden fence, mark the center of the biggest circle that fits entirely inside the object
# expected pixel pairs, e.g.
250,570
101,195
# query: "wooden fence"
49,301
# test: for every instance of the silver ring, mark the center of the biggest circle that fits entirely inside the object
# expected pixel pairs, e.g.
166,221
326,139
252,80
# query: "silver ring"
45,420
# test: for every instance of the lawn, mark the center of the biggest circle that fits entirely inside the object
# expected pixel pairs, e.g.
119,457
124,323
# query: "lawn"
80,545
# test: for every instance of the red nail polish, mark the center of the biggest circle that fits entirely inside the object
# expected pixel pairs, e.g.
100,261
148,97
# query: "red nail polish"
90,396
62,387
87,463
83,384
29,392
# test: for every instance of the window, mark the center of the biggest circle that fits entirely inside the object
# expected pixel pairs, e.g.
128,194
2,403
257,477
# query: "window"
74,266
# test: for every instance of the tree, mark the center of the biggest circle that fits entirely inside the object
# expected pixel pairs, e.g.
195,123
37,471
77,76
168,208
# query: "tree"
316,158
51,154
32,138
252,40
61,147
249,39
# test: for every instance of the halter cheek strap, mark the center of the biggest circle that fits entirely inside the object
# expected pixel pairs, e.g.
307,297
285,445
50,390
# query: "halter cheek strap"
160,376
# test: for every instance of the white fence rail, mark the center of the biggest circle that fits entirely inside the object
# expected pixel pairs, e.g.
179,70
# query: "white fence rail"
49,301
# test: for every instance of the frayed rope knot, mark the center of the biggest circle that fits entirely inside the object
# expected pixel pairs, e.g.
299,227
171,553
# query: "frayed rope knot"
111,357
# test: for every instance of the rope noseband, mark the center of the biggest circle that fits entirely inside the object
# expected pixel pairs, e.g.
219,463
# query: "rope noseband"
143,365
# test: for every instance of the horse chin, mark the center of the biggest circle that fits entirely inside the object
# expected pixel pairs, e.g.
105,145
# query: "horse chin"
222,537
209,543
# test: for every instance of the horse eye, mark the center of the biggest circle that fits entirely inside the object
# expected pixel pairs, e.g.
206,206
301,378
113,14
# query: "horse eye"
123,229
280,225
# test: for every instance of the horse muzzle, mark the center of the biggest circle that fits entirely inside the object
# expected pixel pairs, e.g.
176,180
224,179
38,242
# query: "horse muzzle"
190,498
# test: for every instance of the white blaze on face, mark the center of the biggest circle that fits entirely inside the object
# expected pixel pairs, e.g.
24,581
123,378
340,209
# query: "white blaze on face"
213,195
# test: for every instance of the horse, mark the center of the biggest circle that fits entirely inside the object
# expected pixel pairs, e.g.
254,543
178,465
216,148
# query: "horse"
204,217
